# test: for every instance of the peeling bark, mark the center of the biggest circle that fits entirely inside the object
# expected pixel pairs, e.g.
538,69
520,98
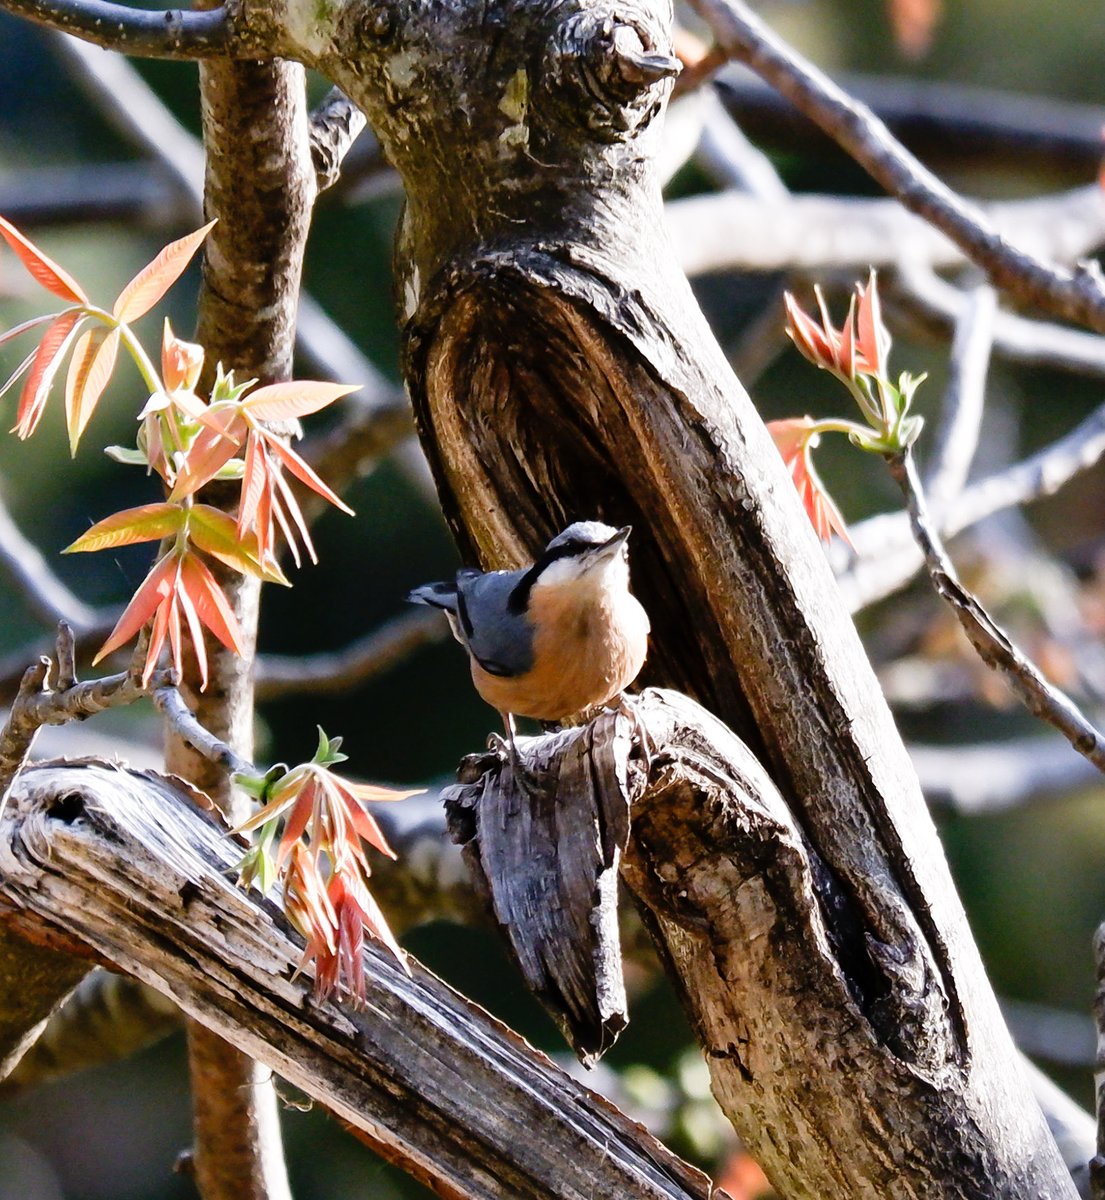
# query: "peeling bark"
123,861
846,1083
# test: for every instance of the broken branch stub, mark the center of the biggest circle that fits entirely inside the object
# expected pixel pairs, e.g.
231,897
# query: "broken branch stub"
544,844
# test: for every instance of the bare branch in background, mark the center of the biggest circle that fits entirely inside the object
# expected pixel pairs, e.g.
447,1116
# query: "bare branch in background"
1076,295
107,1018
41,590
734,231
731,160
138,195
964,400
993,646
937,119
887,559
991,777
339,670
1037,343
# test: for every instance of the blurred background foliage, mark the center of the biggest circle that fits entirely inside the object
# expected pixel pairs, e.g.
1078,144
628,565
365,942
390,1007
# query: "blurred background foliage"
1032,879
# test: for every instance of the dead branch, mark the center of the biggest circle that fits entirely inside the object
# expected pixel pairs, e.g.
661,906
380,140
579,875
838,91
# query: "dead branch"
124,862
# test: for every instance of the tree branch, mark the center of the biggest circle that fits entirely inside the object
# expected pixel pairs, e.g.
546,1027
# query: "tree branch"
168,33
339,670
888,559
57,701
1020,339
335,126
812,1028
45,595
1077,295
993,646
123,861
717,231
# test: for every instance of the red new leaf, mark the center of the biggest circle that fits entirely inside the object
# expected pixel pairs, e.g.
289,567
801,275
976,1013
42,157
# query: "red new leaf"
289,401
147,523
156,588
89,372
48,358
42,268
211,604
213,448
155,279
304,474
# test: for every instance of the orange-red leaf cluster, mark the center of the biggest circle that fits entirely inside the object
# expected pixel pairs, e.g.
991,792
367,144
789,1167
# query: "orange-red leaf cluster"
321,855
795,438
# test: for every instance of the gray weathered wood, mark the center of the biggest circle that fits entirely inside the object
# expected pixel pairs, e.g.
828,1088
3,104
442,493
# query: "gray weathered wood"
123,861
545,853
794,1024
559,368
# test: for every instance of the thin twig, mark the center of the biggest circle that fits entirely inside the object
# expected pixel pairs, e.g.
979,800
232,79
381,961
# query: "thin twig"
340,670
335,126
993,646
1077,295
887,559
42,701
171,705
168,33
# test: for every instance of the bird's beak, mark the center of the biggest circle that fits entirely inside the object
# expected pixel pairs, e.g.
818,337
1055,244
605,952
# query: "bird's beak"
614,544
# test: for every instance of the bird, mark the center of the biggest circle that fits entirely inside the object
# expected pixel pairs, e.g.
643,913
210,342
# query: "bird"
555,638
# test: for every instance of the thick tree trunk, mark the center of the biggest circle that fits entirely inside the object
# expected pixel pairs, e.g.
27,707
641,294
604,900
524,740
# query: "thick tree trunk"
560,369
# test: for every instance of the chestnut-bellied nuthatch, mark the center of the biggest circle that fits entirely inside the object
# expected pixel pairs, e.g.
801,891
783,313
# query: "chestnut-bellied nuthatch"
555,638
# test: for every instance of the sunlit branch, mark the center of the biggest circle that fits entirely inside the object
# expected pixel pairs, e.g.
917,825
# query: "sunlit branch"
1077,295
994,647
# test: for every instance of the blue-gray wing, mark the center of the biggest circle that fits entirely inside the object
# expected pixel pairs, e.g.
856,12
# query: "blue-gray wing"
500,640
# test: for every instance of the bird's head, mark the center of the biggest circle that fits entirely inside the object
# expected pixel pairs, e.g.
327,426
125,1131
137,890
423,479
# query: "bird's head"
585,551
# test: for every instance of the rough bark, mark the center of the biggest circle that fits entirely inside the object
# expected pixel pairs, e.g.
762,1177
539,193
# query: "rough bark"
560,369
837,1101
260,183
126,863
